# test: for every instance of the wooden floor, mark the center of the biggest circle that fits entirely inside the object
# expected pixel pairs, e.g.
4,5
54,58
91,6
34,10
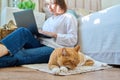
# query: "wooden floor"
21,73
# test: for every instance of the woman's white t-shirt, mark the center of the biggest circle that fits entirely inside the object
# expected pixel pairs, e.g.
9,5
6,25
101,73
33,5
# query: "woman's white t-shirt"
65,26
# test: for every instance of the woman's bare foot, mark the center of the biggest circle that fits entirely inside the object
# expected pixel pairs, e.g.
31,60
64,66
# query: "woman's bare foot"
3,50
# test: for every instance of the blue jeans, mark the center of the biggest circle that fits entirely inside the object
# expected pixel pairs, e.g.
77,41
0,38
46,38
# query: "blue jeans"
24,48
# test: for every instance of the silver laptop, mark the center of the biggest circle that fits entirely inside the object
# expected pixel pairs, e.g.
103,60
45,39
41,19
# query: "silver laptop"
26,19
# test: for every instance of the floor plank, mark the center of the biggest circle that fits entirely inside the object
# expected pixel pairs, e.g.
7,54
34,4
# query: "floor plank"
22,73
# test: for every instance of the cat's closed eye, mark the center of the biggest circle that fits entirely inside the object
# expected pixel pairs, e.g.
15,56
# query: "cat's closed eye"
70,64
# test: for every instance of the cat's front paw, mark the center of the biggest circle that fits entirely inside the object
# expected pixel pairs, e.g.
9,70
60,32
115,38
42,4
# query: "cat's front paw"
63,69
104,64
56,71
101,64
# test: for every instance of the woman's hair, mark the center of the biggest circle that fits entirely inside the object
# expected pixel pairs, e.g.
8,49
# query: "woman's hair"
61,3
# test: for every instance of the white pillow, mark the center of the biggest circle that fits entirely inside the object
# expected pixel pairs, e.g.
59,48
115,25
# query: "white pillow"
47,12
40,18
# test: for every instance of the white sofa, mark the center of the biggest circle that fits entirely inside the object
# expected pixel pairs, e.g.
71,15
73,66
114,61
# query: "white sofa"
99,33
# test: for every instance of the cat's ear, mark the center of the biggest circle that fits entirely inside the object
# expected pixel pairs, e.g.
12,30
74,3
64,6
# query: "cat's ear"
77,48
64,52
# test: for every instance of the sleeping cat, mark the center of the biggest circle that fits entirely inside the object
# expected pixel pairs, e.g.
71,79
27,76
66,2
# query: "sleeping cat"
63,59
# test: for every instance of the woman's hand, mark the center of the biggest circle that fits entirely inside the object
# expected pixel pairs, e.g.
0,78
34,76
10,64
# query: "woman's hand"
54,35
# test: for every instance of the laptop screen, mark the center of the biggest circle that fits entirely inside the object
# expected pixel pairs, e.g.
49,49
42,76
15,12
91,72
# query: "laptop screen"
26,19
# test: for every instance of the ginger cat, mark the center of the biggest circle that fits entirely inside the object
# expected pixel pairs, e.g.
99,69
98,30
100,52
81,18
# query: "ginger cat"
63,59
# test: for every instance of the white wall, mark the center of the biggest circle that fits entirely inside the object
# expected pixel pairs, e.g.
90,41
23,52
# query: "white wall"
108,3
0,12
